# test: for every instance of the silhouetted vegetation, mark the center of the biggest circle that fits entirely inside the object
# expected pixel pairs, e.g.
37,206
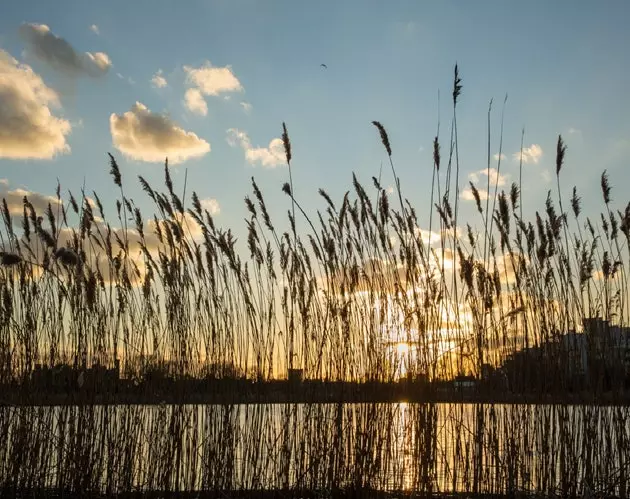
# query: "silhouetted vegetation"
160,309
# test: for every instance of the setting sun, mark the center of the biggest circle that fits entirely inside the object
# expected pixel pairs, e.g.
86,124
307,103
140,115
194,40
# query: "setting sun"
235,234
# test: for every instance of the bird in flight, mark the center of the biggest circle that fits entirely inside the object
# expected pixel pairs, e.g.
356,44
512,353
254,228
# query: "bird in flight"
324,66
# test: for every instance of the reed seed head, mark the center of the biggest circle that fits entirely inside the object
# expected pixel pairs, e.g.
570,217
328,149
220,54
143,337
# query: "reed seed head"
384,137
286,142
9,259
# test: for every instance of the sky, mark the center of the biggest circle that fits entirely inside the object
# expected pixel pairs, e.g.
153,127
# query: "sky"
209,83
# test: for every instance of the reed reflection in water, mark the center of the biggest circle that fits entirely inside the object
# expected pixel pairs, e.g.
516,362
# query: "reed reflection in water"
427,448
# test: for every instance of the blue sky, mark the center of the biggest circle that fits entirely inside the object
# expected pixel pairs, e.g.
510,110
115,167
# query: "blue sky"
562,63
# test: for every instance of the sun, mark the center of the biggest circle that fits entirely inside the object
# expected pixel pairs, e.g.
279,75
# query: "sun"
402,348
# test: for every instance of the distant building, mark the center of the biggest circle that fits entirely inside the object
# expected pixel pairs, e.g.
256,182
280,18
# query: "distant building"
65,378
574,348
464,383
598,357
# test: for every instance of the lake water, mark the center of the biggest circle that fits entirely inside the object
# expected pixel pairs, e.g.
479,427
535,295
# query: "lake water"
419,447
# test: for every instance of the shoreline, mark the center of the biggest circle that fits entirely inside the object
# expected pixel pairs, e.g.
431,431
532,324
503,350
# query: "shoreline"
22,399
267,494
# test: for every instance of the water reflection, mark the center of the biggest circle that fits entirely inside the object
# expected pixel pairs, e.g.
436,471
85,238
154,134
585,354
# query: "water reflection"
415,447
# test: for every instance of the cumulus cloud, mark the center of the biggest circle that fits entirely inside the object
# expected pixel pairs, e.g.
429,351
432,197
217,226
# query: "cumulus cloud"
531,154
508,265
428,236
494,177
99,60
158,80
501,156
28,129
60,55
142,135
467,194
15,200
212,80
492,173
96,257
269,157
211,205
195,103
247,107
94,28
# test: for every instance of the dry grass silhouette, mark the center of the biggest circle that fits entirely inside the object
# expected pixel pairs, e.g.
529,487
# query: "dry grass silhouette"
329,295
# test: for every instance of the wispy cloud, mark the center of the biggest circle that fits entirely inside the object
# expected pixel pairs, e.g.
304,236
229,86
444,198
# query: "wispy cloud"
247,107
574,131
498,157
28,128
158,80
269,157
94,28
546,176
531,154
212,80
194,102
142,135
55,51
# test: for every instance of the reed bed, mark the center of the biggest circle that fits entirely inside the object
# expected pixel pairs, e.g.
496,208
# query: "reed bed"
433,449
333,294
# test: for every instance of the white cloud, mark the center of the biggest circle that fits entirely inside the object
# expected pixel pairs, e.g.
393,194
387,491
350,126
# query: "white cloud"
574,131
213,80
28,129
270,156
120,76
492,173
145,136
498,157
60,55
15,200
194,102
467,194
94,28
211,205
428,236
247,107
97,256
531,154
390,189
158,80
100,60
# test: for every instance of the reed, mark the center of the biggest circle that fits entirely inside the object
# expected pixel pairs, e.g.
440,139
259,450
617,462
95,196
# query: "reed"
335,294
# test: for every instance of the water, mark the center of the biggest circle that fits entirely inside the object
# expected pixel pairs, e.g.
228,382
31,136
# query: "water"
414,447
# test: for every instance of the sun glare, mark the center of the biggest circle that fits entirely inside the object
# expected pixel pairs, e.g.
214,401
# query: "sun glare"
402,348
